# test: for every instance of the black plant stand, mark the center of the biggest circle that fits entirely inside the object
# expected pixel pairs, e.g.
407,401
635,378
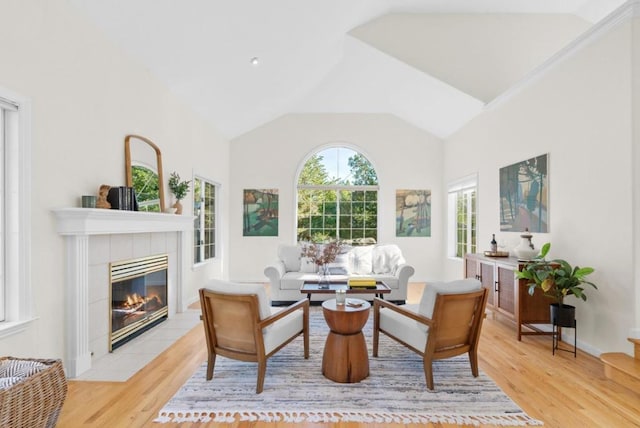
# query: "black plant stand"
557,334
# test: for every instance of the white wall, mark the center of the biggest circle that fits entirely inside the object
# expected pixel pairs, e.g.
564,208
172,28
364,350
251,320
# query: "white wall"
405,157
579,113
86,96
480,54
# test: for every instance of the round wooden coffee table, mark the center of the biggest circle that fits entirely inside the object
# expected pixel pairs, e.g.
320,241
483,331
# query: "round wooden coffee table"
345,357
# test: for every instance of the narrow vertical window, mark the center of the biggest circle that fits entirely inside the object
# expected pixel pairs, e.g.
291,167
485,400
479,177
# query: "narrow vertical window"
204,209
15,285
462,216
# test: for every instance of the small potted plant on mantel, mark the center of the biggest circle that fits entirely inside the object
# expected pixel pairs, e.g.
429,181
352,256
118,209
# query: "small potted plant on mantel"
557,279
179,190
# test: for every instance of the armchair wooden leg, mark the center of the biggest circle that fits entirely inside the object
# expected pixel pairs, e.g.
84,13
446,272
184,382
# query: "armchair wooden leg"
428,373
305,335
262,369
376,329
473,359
211,362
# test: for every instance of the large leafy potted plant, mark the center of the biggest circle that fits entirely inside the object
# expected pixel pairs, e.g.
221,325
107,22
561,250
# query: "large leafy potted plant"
557,279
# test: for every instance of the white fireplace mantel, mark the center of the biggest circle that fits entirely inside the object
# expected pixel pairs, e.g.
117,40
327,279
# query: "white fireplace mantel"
96,221
76,225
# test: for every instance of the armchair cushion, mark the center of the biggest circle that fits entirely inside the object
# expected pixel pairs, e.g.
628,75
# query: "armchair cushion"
283,329
402,327
431,291
243,288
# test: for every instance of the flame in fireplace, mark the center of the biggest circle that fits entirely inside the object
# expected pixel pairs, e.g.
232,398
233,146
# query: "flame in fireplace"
135,301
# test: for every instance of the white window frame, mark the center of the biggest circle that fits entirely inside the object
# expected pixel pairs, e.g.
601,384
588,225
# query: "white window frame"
16,225
200,219
456,188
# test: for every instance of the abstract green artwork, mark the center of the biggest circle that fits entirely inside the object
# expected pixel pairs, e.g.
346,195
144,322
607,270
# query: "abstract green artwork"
260,212
524,196
413,212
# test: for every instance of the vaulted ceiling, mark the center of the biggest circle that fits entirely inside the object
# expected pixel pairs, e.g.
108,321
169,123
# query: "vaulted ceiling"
433,63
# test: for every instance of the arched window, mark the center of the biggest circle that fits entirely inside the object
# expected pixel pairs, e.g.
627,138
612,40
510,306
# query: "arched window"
338,198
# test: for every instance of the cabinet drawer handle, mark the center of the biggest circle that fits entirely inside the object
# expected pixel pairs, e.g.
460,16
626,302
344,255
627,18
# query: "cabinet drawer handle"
497,288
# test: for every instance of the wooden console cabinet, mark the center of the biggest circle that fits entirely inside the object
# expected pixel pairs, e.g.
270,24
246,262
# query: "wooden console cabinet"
508,295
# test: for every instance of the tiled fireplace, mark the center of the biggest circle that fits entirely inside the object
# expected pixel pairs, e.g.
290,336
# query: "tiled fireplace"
96,238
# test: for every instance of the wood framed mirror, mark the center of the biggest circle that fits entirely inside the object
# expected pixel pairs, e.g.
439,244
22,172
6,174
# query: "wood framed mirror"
143,166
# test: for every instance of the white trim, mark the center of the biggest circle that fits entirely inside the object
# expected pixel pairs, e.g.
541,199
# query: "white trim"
6,104
463,183
19,305
630,9
96,221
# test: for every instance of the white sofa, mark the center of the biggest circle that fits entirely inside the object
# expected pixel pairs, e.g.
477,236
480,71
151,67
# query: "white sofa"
383,262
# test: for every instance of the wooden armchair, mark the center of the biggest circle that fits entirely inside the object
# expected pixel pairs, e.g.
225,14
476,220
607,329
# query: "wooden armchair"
446,323
240,324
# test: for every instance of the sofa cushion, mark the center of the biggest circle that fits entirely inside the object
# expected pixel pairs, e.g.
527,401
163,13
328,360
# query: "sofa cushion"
360,260
431,291
385,258
290,255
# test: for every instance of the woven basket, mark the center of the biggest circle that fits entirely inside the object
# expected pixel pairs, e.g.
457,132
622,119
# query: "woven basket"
36,401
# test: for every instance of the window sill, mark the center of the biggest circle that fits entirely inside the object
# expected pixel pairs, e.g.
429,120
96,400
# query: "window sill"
200,265
9,328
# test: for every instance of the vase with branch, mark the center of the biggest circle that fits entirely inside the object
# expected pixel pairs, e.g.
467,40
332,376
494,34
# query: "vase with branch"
321,254
179,189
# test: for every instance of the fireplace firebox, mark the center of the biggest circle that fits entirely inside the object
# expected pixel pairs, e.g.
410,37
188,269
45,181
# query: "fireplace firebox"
138,297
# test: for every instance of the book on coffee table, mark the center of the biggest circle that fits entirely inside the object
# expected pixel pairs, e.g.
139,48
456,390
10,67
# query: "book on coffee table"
362,282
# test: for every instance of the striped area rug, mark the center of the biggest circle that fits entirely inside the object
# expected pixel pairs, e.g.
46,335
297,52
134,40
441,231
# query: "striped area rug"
296,391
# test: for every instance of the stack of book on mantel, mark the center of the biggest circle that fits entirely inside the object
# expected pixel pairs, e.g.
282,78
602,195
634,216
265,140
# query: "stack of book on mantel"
362,282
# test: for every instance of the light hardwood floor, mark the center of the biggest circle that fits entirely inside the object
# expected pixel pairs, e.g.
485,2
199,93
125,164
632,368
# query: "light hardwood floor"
559,390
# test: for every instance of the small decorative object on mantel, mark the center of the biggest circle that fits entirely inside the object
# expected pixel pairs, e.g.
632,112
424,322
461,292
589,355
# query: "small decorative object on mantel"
103,192
179,190
122,198
88,201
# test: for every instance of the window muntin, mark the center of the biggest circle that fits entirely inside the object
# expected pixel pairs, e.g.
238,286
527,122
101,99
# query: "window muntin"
337,197
204,209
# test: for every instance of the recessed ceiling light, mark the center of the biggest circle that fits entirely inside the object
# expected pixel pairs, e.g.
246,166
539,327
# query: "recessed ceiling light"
255,61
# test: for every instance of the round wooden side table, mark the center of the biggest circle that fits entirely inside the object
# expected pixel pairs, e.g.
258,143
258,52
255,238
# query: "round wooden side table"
345,357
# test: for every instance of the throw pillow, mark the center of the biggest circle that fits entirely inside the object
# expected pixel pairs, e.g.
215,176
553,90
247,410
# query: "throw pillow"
360,261
290,255
340,266
431,291
386,258
307,265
